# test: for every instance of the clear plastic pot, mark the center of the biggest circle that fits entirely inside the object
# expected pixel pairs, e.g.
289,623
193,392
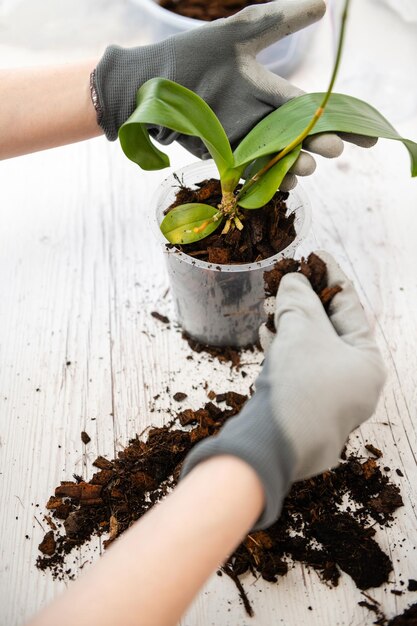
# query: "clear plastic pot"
220,305
282,57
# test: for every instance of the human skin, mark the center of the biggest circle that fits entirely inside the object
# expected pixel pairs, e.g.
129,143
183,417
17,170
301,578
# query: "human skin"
45,107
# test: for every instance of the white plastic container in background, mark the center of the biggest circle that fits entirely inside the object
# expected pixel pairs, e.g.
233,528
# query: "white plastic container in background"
220,305
282,57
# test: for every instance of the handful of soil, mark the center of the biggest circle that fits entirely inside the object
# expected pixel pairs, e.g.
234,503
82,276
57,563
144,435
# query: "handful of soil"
266,231
314,268
315,528
207,10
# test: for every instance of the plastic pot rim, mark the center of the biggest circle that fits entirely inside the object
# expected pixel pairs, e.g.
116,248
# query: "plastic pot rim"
297,196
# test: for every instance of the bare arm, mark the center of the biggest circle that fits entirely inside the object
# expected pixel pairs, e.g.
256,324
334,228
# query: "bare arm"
153,572
45,107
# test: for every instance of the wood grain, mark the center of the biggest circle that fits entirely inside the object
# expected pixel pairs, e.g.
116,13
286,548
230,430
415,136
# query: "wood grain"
80,274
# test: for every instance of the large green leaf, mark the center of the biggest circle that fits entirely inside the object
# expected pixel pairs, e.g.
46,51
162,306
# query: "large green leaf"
162,102
343,114
261,193
179,224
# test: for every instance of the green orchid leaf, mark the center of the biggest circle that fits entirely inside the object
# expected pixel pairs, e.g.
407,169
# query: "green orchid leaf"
343,114
162,102
261,193
180,223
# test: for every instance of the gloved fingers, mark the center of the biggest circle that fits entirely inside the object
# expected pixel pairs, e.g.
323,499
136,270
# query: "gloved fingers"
163,135
289,182
346,312
263,24
273,90
297,303
328,145
305,165
359,140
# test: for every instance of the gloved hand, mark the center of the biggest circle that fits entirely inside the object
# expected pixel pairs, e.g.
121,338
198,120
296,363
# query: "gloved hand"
218,62
321,378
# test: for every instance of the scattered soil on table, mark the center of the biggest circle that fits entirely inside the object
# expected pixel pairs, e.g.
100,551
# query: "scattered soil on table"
126,487
180,396
266,231
408,618
375,451
85,437
158,316
316,527
48,545
207,9
312,268
224,354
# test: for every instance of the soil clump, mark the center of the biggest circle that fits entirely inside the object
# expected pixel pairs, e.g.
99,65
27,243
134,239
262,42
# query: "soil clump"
313,268
207,10
266,231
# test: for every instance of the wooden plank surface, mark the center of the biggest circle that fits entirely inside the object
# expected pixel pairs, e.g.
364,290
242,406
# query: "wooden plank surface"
80,274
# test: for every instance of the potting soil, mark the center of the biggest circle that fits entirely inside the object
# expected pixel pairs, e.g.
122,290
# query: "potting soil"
267,230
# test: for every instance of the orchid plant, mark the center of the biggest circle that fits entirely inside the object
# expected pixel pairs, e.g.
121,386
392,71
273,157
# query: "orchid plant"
261,159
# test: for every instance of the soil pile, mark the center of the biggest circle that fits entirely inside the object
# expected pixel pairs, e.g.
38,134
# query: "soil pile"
267,230
126,487
315,528
318,529
207,9
313,268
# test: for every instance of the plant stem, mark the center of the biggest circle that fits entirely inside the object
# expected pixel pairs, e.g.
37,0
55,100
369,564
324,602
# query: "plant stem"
317,115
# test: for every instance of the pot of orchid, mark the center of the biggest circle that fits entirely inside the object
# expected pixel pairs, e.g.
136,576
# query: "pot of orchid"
225,222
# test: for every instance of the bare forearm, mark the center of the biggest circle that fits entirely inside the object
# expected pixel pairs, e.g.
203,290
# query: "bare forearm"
45,107
153,572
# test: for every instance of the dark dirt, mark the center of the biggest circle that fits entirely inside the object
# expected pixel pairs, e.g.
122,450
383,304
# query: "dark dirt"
85,437
408,618
207,9
48,545
312,268
375,451
224,354
179,396
266,232
315,528
126,487
412,584
158,316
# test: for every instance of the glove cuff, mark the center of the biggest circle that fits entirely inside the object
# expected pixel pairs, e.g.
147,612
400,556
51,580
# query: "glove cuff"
118,76
254,437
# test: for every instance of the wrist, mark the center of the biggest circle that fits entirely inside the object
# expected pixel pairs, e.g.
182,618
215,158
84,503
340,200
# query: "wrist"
254,437
120,73
234,479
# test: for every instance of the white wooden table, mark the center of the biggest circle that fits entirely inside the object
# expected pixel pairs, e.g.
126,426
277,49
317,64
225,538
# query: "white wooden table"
80,274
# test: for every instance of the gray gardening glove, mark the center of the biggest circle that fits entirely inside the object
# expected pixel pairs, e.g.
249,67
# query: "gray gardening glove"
321,378
218,62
